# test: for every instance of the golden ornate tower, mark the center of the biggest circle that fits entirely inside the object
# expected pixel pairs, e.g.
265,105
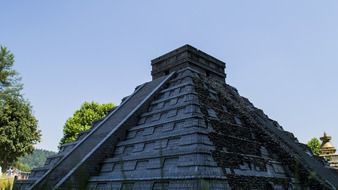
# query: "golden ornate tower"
328,151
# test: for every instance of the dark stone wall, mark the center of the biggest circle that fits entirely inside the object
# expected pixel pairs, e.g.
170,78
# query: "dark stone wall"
239,139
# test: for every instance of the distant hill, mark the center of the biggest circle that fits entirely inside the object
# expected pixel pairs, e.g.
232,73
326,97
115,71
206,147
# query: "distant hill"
36,159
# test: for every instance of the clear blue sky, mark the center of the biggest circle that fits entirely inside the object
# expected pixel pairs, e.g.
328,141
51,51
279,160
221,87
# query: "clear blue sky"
282,55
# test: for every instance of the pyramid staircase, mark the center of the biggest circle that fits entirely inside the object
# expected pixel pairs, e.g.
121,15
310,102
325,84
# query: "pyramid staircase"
185,130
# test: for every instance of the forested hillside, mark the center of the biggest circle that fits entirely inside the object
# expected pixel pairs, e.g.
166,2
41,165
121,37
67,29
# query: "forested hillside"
36,159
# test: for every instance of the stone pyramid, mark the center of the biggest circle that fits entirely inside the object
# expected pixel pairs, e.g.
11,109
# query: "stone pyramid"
185,130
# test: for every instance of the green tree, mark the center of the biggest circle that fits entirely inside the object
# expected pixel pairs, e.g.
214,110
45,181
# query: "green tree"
7,73
83,119
314,145
22,166
10,82
18,126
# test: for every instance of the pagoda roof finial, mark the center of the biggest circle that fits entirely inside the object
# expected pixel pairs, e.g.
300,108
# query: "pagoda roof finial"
325,138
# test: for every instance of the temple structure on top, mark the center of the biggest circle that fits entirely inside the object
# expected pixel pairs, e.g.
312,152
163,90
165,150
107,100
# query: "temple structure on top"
187,129
188,57
328,151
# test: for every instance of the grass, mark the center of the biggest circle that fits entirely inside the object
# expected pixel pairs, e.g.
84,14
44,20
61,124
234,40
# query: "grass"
6,183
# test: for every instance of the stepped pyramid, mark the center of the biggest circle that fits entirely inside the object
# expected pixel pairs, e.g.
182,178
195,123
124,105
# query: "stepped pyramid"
187,129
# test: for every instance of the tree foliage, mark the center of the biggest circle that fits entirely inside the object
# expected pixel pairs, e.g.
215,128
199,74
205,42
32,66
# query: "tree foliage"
7,73
83,119
22,166
18,126
314,145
